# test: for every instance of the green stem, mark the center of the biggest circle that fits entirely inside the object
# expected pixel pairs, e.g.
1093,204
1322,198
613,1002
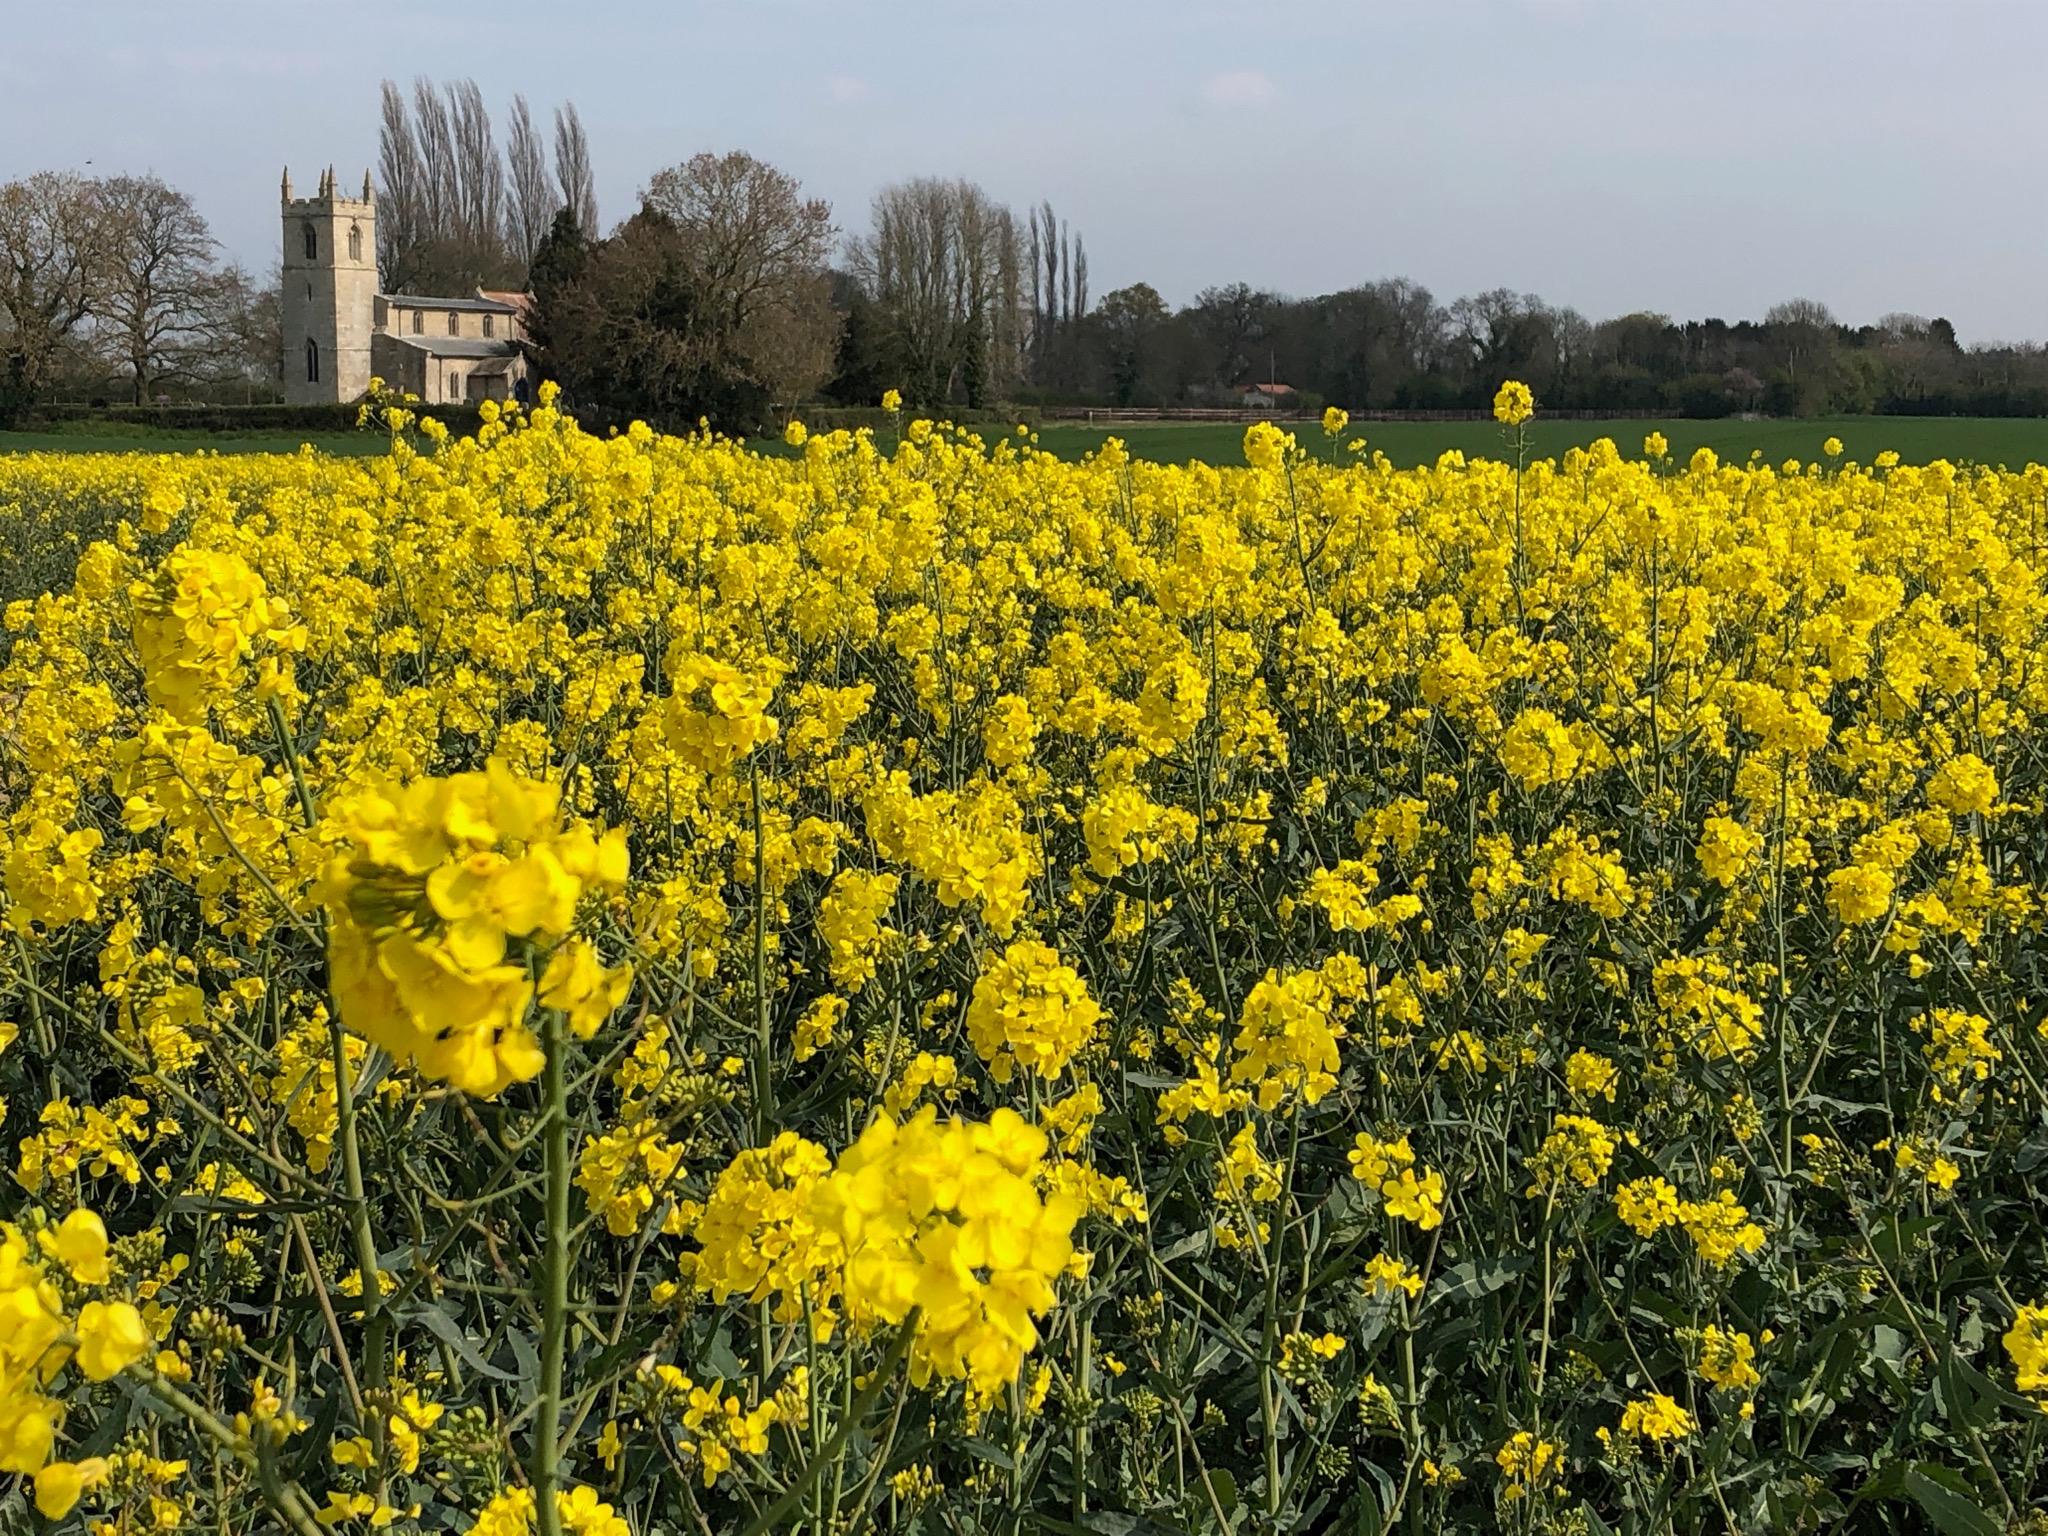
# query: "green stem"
1083,1411
46,1039
545,1470
286,1498
764,1039
774,1517
358,1206
1549,1298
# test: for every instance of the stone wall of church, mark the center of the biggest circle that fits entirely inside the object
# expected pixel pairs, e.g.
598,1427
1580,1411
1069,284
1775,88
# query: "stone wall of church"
402,368
329,295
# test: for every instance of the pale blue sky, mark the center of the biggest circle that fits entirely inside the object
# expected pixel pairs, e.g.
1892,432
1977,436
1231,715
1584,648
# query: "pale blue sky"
1700,158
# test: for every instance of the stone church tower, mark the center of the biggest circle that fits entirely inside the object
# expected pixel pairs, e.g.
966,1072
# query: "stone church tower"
330,292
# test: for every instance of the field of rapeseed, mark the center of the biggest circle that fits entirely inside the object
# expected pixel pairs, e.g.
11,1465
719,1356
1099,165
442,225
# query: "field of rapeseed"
628,986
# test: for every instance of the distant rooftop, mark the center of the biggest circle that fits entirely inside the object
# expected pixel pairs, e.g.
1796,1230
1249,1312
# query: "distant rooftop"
492,306
459,346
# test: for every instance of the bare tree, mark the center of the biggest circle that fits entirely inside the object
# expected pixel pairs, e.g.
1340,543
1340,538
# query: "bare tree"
479,170
1229,323
748,229
434,133
452,218
1066,302
754,252
239,332
1010,324
575,182
51,257
158,264
402,223
1045,284
1059,295
943,260
1805,329
531,201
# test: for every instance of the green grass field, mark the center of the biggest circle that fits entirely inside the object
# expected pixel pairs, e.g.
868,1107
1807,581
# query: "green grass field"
1985,440
1918,440
166,440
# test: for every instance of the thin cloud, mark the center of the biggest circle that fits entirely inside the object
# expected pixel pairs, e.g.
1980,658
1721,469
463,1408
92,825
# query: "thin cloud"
1238,88
848,89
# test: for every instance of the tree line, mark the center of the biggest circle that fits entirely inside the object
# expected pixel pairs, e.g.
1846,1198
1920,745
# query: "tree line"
1390,345
729,294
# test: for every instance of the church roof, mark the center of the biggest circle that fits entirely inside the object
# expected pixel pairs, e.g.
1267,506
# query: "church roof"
459,346
426,301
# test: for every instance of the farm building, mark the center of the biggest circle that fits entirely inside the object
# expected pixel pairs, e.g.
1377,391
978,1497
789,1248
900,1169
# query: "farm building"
1267,397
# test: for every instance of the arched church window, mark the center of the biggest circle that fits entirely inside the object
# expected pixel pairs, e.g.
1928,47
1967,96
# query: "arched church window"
454,324
312,361
355,243
419,322
312,237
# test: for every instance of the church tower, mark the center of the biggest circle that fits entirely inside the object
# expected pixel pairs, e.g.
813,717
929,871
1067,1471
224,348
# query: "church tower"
330,292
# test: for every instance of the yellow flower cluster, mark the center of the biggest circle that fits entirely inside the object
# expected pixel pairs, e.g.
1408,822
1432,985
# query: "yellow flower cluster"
581,1512
717,713
1390,1168
850,922
1656,1417
1728,1359
1286,1040
1030,1010
760,1232
940,1218
198,618
438,882
1958,1045
944,1218
1578,1150
45,1332
1527,1464
1513,404
2026,1345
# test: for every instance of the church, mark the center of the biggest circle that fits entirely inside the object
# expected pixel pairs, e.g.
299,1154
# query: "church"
340,332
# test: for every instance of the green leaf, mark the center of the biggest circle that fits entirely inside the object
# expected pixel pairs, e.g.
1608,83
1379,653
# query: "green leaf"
1474,1278
994,1455
1226,1490
1151,1080
1945,1499
445,1328
1989,1389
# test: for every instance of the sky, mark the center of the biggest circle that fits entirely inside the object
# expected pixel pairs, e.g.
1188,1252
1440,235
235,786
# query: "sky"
1700,158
